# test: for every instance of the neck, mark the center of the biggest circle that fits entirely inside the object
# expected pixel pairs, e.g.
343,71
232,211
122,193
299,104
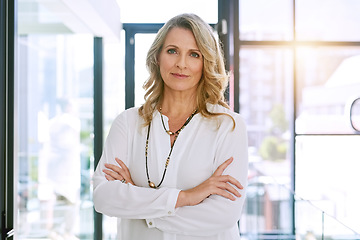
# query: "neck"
178,106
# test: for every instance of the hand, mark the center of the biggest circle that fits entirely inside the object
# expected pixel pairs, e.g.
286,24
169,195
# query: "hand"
114,172
217,184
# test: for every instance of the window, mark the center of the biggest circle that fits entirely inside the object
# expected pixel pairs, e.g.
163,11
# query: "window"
298,84
266,103
55,123
54,112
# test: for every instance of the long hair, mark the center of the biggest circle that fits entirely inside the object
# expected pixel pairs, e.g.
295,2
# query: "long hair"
214,79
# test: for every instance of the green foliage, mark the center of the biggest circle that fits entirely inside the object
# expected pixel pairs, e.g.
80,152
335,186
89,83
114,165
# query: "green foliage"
278,119
274,146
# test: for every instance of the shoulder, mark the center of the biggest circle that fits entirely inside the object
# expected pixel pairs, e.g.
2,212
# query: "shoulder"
228,115
128,116
130,113
126,122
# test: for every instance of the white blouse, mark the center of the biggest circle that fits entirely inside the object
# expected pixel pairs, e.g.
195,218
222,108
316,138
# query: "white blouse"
146,213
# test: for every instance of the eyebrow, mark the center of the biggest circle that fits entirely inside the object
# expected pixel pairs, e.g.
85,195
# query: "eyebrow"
170,45
191,49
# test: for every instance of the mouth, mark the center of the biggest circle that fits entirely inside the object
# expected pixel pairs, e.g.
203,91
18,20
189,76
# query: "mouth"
179,75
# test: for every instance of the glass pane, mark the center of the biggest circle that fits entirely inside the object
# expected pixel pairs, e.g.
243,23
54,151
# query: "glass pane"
55,149
113,80
327,176
114,103
266,20
312,222
160,11
328,81
333,20
142,46
266,104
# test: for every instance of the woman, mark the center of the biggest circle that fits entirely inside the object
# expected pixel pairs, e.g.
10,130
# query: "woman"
172,168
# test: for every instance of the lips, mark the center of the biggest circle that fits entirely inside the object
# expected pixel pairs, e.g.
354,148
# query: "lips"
179,75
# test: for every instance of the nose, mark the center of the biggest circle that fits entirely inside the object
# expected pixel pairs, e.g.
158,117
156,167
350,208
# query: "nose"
181,62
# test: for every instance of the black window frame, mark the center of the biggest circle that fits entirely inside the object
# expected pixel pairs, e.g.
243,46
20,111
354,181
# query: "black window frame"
7,64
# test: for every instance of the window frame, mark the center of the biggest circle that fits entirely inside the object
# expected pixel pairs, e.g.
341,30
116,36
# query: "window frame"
7,66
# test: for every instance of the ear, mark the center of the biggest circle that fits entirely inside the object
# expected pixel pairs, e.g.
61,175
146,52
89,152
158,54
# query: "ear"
157,59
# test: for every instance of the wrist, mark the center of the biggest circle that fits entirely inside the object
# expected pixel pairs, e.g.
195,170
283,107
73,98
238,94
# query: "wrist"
181,200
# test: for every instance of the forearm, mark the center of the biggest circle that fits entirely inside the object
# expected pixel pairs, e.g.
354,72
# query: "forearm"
212,216
117,199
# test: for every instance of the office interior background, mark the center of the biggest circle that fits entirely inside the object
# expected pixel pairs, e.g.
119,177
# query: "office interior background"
68,68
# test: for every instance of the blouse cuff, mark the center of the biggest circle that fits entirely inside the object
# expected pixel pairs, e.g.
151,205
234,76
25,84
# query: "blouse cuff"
169,209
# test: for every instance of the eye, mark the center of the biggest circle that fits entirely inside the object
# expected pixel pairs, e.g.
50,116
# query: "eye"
195,55
171,51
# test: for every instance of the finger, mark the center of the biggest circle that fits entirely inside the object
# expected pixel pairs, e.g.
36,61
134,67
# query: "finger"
125,171
219,171
113,174
227,190
231,189
123,166
232,180
109,178
113,167
226,194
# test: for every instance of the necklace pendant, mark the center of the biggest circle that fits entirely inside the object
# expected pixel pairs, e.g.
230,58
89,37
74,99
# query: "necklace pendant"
152,185
169,132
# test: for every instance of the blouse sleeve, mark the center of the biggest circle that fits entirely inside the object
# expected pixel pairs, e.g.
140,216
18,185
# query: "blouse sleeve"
216,213
117,199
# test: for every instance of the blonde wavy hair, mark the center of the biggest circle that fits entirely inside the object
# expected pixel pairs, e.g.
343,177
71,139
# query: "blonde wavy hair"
214,80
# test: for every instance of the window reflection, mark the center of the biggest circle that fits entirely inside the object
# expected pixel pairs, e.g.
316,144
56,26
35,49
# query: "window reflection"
59,166
114,103
328,80
266,105
55,122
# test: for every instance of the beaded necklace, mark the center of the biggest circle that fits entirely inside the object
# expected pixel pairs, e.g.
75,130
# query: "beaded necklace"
152,184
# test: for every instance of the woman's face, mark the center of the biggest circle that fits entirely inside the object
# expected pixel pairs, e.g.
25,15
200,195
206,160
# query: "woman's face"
180,61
